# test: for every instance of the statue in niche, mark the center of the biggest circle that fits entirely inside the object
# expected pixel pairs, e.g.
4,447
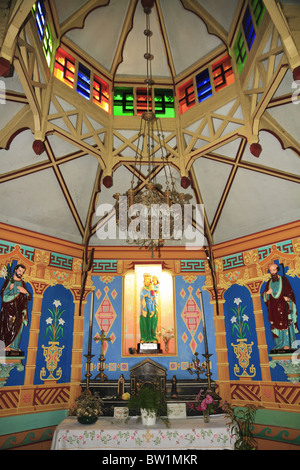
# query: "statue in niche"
13,313
149,298
280,300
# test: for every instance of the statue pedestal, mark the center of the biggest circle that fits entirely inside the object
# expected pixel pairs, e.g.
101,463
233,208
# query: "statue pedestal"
149,348
7,363
290,363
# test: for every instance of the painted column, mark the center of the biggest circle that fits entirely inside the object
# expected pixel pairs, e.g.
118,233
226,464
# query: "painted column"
77,347
221,344
39,288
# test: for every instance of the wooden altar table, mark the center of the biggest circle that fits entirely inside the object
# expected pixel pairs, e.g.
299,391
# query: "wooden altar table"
111,434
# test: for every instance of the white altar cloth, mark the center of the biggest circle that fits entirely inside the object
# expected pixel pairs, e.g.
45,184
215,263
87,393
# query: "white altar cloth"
110,434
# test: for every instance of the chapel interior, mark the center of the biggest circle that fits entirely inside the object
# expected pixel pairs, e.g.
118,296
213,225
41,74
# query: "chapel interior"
78,81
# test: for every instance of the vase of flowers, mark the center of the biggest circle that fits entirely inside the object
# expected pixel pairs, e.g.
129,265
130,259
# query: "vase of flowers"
166,335
204,403
87,408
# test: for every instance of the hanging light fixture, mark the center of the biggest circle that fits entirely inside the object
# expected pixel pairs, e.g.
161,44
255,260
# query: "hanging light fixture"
157,212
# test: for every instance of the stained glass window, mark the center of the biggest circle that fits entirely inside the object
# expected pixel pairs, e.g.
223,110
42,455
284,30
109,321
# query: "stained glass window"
164,103
84,81
48,44
240,51
222,73
39,12
101,93
64,68
258,9
43,29
204,89
248,28
186,95
123,102
141,101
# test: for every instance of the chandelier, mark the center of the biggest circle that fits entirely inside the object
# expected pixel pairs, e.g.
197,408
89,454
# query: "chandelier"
154,213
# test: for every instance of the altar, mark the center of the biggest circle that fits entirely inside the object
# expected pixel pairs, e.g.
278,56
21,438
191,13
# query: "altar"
107,433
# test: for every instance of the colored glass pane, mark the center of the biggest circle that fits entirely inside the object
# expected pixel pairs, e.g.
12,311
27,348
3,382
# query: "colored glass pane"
142,99
248,28
123,102
240,52
64,68
186,96
84,81
101,93
222,73
40,18
258,9
43,29
204,89
164,103
48,44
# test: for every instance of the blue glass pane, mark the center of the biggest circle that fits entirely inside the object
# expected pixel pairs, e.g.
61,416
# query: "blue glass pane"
248,28
203,85
40,19
84,81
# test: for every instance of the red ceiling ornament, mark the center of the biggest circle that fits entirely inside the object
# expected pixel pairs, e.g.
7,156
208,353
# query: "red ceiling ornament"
185,182
6,68
296,73
255,149
38,147
107,181
148,3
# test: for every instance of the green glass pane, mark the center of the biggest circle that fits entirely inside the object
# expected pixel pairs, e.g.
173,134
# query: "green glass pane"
240,52
258,9
164,103
123,102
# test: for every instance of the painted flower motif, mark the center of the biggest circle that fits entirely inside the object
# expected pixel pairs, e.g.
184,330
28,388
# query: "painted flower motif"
55,322
3,272
240,320
7,272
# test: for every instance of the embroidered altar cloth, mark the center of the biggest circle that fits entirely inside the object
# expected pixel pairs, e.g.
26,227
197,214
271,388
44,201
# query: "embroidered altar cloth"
111,434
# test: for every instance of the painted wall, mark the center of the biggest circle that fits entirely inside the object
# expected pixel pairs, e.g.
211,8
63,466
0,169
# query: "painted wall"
53,276
108,315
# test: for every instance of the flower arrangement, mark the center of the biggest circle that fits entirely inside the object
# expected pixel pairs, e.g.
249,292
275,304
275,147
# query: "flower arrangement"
205,403
239,320
87,408
166,335
55,322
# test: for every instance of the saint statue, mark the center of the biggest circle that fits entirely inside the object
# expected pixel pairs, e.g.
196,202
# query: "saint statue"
13,313
280,300
149,309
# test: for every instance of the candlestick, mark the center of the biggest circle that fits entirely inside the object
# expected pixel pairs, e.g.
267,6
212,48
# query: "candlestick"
204,325
91,323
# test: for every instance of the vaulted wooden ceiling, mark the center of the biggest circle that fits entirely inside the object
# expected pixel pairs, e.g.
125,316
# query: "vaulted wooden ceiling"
56,188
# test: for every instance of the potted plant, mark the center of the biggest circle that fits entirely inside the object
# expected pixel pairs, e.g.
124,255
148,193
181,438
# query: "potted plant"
152,404
241,420
87,408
